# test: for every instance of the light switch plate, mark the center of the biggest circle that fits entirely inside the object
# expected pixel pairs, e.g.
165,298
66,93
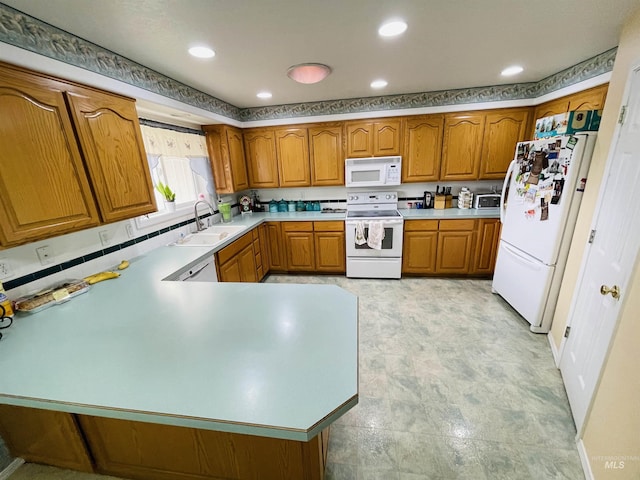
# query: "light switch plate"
104,237
5,269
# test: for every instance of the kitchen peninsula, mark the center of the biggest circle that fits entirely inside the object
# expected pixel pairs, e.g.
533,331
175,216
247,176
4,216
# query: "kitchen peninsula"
145,378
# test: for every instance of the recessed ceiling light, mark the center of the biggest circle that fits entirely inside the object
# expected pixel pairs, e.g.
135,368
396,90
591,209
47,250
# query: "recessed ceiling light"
393,28
202,52
379,84
308,72
513,70
264,95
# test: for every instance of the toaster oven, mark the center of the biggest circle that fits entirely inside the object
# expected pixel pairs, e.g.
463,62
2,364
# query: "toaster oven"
486,200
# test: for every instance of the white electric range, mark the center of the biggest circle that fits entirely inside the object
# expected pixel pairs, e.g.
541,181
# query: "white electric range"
363,260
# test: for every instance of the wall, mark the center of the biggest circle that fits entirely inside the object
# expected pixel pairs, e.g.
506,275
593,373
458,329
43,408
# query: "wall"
613,425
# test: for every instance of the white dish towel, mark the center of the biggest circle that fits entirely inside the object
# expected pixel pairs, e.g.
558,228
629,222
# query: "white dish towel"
360,240
376,235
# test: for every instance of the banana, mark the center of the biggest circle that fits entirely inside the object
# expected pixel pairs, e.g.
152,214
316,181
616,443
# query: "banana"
99,277
123,264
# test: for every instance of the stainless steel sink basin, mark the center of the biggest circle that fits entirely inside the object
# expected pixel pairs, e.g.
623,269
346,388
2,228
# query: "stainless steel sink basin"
210,236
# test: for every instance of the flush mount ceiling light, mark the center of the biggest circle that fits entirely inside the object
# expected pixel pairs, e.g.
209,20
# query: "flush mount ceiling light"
308,72
393,28
379,84
264,95
513,70
202,52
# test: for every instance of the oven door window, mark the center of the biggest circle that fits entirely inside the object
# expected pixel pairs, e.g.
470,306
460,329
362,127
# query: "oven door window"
387,241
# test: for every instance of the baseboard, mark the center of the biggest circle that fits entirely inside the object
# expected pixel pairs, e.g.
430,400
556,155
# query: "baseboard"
584,459
13,466
554,350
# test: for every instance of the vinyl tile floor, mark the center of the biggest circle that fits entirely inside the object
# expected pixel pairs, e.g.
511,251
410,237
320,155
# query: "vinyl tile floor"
453,385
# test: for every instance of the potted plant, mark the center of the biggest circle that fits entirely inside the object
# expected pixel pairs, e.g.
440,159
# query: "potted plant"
169,196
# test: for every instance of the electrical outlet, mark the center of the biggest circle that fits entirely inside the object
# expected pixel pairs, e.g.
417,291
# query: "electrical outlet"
5,269
45,254
129,229
104,237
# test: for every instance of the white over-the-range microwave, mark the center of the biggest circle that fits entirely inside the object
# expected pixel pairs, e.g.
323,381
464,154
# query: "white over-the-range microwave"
372,172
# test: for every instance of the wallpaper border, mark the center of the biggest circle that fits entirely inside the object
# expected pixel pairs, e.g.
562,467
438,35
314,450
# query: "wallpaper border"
29,33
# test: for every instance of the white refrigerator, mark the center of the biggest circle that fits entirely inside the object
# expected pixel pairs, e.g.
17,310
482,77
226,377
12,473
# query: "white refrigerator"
541,197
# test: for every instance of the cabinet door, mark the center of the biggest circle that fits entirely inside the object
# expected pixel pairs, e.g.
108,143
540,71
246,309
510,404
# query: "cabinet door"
263,234
292,149
422,148
326,155
44,189
277,260
503,129
455,246
44,436
591,99
226,154
386,137
247,265
359,139
299,246
462,146
419,252
330,252
110,137
230,271
487,245
235,145
262,162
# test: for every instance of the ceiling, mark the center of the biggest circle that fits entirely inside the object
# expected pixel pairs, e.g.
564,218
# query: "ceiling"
449,44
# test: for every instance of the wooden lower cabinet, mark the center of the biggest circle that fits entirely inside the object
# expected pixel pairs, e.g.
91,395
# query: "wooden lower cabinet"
329,241
44,436
299,246
420,246
450,247
487,245
236,262
277,259
150,451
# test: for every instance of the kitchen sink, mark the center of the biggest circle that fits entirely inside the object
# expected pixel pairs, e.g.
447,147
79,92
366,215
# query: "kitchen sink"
209,237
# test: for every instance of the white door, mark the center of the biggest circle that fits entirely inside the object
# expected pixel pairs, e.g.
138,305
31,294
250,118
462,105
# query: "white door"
609,262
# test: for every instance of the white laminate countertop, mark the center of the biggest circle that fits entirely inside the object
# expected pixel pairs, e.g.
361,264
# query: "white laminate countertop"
449,213
277,360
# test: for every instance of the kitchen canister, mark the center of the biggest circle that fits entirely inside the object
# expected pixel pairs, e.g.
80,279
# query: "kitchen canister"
282,206
273,206
291,206
465,198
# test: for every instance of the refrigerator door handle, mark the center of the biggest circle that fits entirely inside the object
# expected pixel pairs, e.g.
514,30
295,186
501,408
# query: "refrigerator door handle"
505,185
532,264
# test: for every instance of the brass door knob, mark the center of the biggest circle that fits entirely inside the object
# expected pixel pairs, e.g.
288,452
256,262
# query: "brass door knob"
614,291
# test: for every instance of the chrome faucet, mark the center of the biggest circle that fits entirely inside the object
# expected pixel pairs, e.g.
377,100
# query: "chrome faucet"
199,224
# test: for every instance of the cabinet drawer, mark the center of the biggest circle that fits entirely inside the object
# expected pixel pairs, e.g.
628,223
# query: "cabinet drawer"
457,225
230,251
420,225
255,234
333,226
297,226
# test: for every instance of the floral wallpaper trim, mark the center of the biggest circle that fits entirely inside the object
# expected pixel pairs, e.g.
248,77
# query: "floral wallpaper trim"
29,33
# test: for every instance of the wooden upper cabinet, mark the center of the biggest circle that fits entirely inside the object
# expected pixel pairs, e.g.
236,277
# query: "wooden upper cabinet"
326,156
373,138
44,189
292,149
262,162
590,99
462,146
386,137
502,130
109,133
422,148
226,154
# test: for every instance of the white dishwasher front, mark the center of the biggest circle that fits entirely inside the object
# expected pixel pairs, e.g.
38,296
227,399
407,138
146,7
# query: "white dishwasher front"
204,271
